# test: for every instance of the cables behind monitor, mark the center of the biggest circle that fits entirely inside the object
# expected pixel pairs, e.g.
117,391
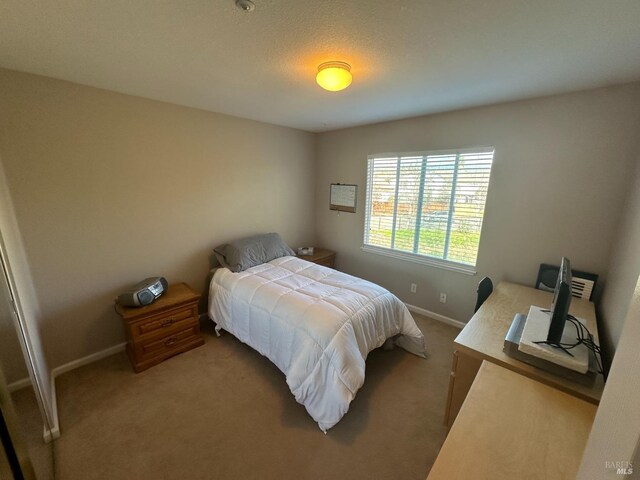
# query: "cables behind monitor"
583,337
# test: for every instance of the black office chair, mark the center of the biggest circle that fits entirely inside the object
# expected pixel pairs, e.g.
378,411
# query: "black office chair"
485,287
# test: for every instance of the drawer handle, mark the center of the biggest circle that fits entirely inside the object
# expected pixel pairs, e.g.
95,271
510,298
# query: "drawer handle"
170,341
166,323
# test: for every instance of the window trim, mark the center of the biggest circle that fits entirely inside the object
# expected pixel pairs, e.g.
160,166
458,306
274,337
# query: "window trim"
410,256
421,259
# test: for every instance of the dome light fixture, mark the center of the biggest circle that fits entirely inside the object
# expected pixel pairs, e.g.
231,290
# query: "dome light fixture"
245,5
334,76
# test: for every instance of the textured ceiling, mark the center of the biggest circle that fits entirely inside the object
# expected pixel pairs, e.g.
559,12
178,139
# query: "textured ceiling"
408,58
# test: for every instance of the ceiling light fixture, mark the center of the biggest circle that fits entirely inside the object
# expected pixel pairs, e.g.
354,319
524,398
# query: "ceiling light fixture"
334,76
245,5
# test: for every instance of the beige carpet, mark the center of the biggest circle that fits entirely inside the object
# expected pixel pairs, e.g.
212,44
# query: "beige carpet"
222,411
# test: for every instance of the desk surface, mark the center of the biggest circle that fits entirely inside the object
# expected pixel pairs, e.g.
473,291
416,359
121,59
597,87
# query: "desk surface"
483,336
513,427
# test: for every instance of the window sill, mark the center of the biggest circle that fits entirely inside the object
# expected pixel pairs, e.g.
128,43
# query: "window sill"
421,259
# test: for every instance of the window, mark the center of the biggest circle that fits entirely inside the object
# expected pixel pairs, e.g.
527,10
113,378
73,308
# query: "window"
428,206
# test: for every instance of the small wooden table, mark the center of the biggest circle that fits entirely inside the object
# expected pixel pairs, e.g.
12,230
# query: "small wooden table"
321,256
165,328
483,339
511,426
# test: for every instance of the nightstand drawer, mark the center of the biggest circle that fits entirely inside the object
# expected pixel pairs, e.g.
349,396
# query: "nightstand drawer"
169,322
168,344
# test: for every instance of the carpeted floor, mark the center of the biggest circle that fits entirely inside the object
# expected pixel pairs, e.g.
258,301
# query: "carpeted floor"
222,411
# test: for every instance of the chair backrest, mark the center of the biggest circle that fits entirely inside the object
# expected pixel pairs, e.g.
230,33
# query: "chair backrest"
582,283
485,287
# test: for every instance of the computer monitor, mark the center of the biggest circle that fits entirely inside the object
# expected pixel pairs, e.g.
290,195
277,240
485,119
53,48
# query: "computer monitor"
561,302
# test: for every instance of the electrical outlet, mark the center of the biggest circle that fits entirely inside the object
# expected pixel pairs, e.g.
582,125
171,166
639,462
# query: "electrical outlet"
414,288
443,298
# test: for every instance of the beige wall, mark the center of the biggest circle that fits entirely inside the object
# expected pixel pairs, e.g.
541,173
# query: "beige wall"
109,189
615,435
560,174
624,267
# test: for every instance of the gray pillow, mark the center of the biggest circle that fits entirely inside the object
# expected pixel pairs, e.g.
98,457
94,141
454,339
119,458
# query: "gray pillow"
248,252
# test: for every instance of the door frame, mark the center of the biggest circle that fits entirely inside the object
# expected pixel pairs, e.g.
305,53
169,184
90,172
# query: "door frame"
23,304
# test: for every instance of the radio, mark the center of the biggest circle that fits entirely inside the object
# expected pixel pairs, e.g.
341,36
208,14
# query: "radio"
143,293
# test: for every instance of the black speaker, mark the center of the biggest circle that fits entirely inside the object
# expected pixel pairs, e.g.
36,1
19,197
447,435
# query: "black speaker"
145,297
548,275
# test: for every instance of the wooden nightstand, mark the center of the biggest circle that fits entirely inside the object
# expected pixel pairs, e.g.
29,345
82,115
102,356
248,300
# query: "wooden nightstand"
321,256
165,328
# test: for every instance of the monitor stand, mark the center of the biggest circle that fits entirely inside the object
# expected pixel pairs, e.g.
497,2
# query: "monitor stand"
512,342
536,329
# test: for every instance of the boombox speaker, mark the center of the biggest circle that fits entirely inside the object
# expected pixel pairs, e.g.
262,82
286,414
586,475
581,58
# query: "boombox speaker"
143,293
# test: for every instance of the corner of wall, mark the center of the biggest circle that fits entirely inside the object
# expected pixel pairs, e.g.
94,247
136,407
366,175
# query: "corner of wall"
623,268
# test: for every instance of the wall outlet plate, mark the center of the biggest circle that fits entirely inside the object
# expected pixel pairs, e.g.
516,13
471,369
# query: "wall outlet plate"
443,298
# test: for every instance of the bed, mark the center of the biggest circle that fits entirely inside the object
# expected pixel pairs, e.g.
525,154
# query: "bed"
317,325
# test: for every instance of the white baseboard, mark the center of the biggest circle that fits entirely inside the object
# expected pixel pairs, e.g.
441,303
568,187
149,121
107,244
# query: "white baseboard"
436,316
54,432
19,384
80,362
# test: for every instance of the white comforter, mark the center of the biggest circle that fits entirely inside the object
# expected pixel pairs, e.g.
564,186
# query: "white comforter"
316,324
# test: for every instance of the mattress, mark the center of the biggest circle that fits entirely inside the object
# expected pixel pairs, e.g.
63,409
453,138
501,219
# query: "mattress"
317,325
